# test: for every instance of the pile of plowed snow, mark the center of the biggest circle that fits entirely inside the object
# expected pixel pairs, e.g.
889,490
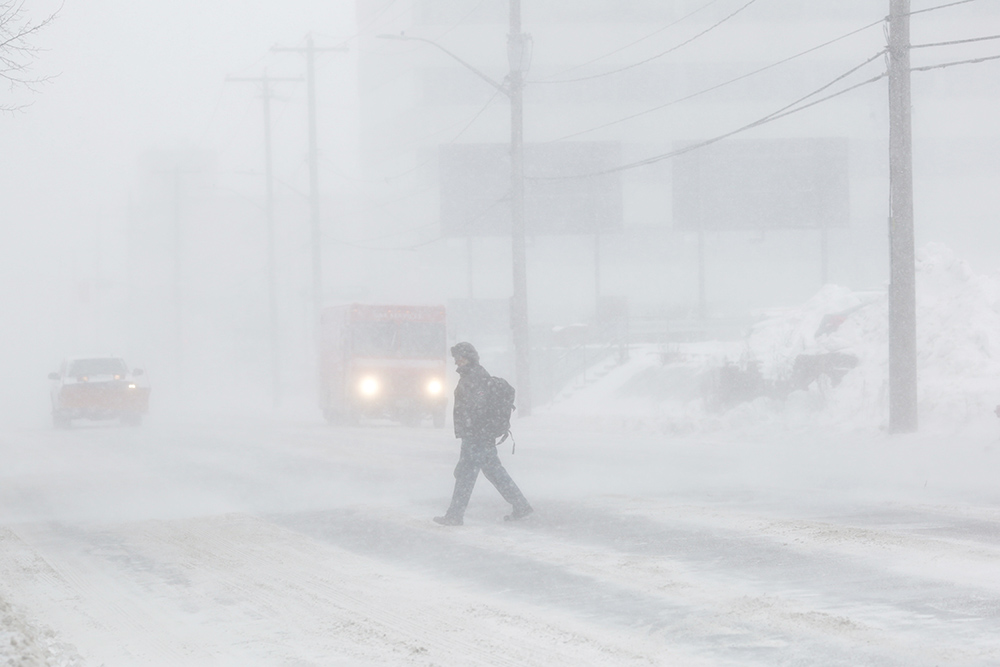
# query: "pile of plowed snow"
24,644
958,363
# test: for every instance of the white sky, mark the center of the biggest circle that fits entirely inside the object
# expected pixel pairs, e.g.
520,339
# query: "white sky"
137,76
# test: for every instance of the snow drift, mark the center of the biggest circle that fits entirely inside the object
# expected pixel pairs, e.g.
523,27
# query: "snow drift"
669,388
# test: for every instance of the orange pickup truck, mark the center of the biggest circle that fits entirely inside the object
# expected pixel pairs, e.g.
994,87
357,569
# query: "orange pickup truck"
98,388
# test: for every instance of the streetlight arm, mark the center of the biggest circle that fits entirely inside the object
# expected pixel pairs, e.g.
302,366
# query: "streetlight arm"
404,38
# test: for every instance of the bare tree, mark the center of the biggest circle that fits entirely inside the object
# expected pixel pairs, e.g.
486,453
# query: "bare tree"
17,50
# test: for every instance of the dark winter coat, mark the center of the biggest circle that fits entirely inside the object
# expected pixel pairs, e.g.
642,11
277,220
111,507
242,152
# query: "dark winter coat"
471,403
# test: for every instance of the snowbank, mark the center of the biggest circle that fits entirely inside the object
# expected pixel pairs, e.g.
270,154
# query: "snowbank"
26,645
958,346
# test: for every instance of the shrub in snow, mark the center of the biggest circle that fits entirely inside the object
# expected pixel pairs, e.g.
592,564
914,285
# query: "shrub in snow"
958,345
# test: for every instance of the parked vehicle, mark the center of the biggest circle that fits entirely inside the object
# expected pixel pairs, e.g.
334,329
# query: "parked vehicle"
98,388
383,362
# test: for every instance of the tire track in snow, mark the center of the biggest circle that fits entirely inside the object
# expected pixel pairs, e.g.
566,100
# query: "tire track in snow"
88,602
746,595
915,613
266,595
371,602
544,585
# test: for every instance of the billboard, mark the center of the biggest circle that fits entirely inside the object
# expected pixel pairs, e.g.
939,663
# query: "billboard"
475,189
762,184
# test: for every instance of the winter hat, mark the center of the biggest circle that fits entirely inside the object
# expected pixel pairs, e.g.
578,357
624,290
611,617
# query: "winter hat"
465,351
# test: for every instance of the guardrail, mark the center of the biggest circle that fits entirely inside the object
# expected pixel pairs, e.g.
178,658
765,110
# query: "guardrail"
568,357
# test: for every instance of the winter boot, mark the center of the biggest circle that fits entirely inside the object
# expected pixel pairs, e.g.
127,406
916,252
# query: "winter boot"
519,513
447,520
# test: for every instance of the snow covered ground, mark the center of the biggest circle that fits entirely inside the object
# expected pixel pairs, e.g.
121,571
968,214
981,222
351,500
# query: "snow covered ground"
784,530
274,543
267,543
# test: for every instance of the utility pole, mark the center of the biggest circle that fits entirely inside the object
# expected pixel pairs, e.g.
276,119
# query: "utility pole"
902,284
824,254
702,299
176,174
597,272
518,45
519,59
314,213
272,270
176,244
176,251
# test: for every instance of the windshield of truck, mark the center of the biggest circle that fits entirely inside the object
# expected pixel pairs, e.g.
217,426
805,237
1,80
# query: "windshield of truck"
421,339
374,339
407,340
81,367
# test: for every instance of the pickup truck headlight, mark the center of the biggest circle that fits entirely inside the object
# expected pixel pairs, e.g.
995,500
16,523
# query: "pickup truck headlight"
435,387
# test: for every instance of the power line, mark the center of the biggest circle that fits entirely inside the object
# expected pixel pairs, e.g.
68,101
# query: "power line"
758,123
787,110
458,136
718,86
462,20
957,41
469,222
934,9
420,141
427,188
652,58
972,61
633,43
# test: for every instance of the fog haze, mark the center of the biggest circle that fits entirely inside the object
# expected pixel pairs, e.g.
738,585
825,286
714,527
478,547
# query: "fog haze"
139,131
134,92
709,457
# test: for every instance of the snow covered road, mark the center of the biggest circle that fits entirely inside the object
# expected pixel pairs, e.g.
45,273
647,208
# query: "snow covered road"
268,542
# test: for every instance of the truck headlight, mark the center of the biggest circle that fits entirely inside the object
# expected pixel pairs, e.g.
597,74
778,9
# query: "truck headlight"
434,387
369,385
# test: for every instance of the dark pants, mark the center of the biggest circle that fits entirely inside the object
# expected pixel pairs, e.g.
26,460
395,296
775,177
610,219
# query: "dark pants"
476,456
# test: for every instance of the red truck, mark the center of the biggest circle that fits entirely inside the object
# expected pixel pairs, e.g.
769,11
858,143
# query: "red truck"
383,362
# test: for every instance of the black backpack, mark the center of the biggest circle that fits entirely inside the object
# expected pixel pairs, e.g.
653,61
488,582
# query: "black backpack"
499,406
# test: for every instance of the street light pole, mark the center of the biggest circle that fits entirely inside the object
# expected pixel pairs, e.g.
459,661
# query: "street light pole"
272,262
315,228
519,58
516,55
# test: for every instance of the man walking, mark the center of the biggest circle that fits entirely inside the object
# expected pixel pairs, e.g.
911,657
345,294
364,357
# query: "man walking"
479,450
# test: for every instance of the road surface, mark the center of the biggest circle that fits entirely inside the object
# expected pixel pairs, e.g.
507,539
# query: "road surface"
284,541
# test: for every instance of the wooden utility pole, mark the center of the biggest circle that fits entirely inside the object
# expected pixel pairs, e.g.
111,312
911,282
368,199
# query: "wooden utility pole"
310,50
176,289
176,174
902,285
518,52
702,299
272,270
519,46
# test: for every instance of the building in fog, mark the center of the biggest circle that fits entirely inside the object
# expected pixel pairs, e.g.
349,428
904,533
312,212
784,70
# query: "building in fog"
757,219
